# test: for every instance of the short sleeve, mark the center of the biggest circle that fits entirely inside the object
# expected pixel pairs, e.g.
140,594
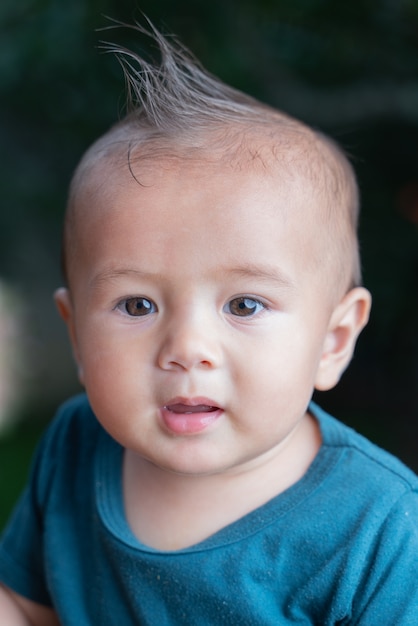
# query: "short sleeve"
21,545
22,566
389,593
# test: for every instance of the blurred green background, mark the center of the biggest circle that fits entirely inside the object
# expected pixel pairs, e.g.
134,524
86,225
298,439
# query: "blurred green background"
350,69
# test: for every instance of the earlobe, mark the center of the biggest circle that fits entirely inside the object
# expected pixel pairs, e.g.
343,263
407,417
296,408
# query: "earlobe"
62,298
347,321
63,303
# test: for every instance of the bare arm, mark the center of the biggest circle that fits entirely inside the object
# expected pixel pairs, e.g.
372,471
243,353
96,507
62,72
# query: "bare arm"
15,610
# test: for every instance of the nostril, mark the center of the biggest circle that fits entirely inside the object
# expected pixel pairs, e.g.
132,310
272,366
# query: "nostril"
188,364
188,350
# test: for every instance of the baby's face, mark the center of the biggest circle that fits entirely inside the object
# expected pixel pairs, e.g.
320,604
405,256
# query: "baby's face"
200,317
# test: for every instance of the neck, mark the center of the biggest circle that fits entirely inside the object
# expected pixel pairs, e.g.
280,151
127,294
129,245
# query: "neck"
170,511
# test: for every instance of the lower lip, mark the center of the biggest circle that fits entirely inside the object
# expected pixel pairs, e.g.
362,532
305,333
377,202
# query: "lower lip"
189,423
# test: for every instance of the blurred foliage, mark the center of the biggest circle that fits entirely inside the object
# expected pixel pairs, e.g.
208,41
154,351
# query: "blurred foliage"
349,68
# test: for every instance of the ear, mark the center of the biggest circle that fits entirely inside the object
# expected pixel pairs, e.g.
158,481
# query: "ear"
62,298
347,321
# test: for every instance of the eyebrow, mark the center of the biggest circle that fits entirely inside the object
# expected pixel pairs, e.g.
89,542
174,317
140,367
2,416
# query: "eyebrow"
264,273
110,274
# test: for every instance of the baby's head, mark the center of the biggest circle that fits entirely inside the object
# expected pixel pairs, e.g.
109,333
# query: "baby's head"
212,268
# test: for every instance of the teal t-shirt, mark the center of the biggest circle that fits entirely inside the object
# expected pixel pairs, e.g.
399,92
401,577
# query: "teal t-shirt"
339,547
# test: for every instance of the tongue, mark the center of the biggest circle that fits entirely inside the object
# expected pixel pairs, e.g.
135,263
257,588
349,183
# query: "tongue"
187,408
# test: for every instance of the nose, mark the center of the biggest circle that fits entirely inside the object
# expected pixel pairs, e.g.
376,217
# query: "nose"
189,343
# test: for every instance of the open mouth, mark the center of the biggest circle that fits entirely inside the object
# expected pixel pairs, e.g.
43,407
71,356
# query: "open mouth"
187,417
187,409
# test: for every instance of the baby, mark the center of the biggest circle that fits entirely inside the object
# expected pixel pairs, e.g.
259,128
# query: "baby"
212,283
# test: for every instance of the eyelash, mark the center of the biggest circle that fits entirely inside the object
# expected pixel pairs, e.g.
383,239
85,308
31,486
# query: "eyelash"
139,306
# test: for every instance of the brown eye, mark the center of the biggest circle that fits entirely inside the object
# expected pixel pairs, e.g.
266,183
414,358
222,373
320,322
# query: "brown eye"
244,306
138,307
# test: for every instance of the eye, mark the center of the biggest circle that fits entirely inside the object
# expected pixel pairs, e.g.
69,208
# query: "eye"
244,306
137,307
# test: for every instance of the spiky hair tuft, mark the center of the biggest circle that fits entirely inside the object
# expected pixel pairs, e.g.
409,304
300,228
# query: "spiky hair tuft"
178,91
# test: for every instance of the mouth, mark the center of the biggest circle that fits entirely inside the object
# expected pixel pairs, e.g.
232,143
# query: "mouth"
183,416
186,409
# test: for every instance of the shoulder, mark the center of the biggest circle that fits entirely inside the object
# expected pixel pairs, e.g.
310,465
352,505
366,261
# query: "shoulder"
365,482
366,509
67,445
360,454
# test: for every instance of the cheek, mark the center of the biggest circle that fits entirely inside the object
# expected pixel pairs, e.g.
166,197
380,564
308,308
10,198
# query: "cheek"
104,359
113,386
284,365
117,366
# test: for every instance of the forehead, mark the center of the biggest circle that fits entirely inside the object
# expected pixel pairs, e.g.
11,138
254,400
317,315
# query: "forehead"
189,215
195,185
